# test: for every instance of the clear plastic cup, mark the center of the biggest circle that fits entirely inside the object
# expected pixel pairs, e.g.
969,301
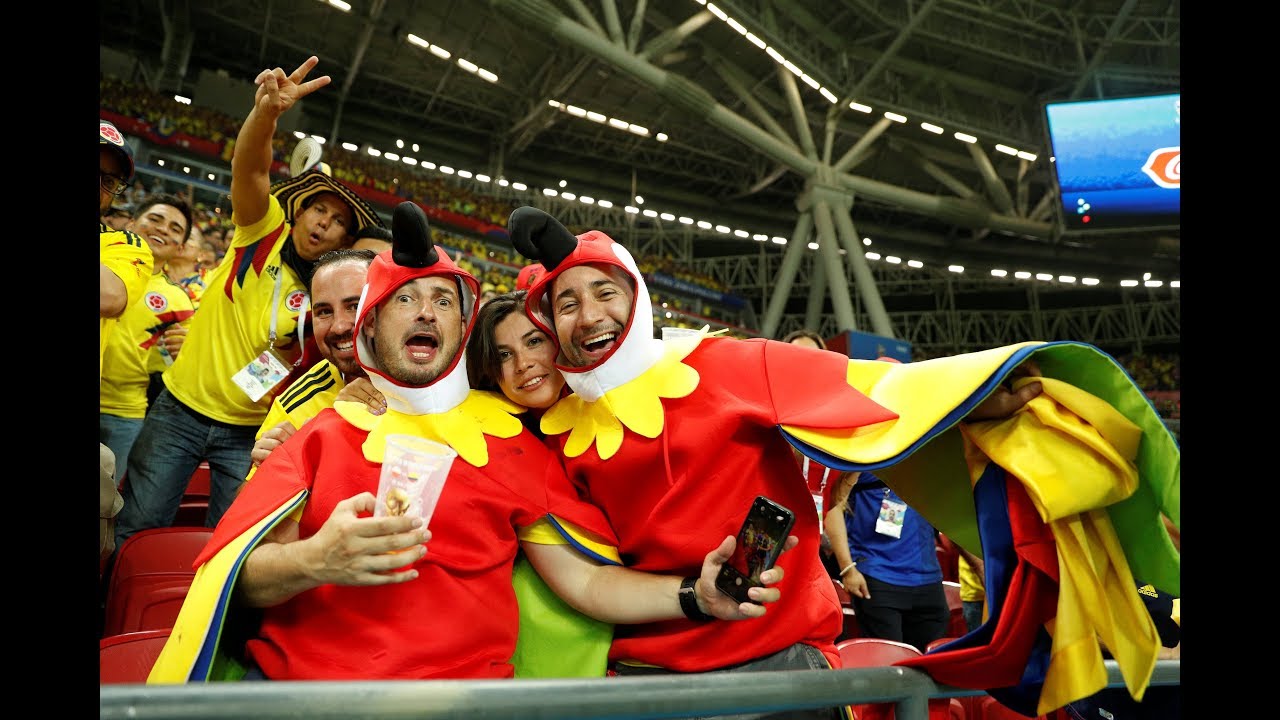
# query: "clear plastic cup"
413,474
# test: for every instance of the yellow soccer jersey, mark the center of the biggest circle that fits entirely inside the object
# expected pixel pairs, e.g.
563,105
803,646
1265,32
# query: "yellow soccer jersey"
133,349
234,322
972,588
306,397
129,257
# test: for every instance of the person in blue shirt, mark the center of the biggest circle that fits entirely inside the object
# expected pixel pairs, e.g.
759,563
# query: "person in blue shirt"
890,566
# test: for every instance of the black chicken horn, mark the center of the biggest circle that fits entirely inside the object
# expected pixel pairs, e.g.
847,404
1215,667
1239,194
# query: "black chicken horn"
538,236
411,244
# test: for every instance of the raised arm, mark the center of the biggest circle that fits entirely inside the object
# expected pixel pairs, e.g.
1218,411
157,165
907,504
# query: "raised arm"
251,157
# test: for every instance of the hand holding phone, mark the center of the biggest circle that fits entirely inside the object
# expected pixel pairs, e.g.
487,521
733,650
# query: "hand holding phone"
760,541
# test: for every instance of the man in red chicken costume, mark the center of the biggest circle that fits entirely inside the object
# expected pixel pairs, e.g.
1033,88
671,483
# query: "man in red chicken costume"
673,439
346,596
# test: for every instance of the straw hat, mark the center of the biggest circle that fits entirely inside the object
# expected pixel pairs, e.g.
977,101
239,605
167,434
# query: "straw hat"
294,192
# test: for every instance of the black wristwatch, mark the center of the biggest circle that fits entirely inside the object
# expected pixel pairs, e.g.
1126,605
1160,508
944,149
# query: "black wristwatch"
689,601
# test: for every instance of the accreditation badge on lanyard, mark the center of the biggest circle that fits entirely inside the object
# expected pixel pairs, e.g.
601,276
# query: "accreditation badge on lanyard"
892,515
264,373
822,488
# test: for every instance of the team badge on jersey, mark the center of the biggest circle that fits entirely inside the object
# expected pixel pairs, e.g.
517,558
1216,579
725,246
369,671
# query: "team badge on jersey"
156,301
295,300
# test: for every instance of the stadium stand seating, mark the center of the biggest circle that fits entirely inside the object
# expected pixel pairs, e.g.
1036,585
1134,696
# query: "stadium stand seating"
152,572
877,652
128,657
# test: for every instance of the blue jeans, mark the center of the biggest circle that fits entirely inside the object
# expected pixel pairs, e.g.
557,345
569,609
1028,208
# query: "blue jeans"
972,610
795,657
173,441
118,434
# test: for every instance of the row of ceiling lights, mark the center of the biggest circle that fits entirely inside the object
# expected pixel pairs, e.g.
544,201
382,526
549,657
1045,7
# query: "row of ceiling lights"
432,48
831,96
871,255
603,119
662,137
705,225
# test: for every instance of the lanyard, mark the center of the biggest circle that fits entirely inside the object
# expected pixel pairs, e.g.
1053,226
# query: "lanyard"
825,472
817,497
302,318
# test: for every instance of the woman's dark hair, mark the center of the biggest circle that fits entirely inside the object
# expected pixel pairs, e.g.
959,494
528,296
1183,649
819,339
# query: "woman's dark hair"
791,336
484,367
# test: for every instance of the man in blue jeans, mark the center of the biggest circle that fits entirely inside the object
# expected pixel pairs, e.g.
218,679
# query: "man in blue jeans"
248,322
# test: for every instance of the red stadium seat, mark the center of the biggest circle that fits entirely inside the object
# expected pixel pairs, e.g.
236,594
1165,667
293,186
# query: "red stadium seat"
841,593
990,709
876,652
956,626
850,630
128,658
150,578
948,558
195,501
939,642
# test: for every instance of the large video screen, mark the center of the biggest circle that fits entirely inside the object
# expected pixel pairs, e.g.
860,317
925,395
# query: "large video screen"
1117,162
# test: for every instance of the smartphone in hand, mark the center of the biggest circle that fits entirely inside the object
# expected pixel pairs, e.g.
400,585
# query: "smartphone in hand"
760,541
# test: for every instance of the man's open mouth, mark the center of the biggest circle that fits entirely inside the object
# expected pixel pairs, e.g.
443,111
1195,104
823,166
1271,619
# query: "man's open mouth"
599,343
422,347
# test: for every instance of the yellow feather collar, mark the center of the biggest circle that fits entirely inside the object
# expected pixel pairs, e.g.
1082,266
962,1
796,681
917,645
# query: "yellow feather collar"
637,404
463,428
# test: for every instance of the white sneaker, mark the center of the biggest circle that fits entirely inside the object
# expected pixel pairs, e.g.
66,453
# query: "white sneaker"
305,156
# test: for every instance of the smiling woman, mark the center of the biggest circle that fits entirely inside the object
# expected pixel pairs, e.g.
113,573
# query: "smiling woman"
507,352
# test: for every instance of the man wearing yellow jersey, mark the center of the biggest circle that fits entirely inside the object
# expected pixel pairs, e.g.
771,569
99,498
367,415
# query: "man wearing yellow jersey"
336,285
124,260
124,265
139,339
973,590
244,338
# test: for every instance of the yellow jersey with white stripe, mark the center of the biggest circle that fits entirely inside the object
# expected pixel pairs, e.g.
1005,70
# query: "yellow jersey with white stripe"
134,349
234,322
129,257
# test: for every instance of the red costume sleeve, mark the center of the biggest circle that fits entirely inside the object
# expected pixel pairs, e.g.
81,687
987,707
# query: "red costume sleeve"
800,383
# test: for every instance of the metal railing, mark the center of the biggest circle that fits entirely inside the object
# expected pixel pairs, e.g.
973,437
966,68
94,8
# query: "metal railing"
618,698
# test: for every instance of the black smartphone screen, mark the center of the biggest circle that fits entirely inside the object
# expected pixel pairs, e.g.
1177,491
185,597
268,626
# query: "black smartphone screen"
760,542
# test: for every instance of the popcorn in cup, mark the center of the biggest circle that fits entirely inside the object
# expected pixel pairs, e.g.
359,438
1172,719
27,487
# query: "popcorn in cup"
413,474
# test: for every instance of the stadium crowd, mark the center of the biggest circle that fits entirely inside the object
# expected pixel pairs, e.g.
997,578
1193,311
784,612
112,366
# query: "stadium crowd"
159,110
